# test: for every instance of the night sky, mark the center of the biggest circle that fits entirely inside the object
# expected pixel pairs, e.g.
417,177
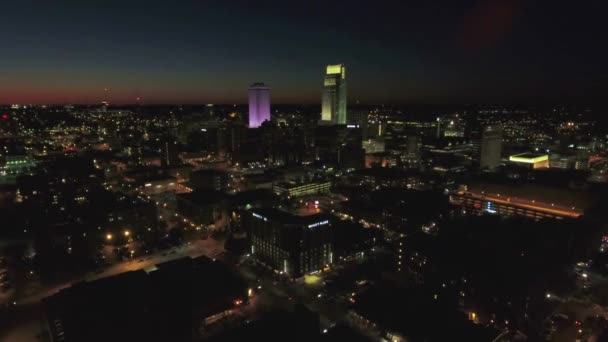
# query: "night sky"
208,51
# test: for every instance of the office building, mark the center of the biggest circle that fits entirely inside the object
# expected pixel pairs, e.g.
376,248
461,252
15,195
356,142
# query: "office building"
290,244
302,188
259,104
168,153
333,108
531,160
491,147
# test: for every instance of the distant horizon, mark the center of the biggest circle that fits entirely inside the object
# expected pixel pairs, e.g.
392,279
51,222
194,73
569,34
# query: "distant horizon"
311,104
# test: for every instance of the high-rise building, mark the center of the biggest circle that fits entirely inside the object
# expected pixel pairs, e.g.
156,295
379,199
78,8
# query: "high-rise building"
333,107
290,244
168,153
259,104
491,147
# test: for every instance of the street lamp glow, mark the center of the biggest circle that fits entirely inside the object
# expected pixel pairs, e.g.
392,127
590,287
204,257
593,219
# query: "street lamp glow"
127,233
109,237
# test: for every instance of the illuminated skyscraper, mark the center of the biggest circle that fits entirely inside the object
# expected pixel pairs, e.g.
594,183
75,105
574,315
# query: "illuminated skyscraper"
259,104
333,108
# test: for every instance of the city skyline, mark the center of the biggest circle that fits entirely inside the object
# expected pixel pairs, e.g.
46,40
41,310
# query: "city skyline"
203,171
397,53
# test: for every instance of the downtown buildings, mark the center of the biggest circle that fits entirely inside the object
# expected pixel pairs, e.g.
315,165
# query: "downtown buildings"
406,152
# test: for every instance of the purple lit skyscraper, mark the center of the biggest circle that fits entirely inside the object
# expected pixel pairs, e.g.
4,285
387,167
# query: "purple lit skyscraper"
259,104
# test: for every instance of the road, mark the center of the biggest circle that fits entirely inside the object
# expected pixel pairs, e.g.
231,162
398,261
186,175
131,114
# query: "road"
27,315
276,292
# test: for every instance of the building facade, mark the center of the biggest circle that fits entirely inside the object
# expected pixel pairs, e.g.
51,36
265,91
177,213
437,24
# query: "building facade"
491,147
333,108
295,189
259,104
290,244
531,160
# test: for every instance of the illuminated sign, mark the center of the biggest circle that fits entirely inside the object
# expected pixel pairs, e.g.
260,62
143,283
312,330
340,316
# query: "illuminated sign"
489,208
322,223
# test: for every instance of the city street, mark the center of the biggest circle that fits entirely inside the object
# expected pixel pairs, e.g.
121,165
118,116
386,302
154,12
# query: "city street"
27,317
276,291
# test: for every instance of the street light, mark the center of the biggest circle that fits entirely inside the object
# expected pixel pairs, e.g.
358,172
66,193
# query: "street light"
109,236
127,233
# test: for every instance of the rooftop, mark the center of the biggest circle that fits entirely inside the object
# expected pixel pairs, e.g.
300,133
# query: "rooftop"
529,157
284,217
203,197
293,184
140,306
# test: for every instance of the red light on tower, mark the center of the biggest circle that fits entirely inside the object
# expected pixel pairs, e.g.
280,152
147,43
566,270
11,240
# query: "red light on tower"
4,116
